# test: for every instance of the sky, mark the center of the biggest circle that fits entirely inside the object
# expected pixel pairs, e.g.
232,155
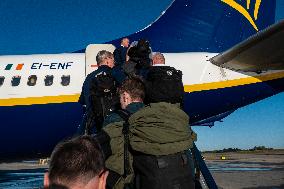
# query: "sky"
39,26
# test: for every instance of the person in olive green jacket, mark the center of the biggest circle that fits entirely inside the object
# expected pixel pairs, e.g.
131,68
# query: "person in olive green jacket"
131,98
158,132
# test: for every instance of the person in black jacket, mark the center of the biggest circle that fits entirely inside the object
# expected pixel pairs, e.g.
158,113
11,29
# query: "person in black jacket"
120,52
98,94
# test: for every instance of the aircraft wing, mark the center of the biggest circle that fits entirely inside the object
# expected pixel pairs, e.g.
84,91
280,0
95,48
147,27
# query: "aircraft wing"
261,52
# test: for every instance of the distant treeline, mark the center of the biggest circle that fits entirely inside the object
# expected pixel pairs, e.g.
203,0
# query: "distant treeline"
256,148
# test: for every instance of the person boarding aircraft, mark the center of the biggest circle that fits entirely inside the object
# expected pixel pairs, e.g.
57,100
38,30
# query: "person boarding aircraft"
230,53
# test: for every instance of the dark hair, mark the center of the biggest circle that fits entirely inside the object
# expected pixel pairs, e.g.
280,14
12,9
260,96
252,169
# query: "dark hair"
134,87
79,157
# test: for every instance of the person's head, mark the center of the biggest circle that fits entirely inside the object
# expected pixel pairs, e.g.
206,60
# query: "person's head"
125,42
158,58
131,90
143,48
105,58
77,163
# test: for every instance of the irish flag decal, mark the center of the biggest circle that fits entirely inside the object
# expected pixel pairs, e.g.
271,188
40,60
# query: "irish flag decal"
18,67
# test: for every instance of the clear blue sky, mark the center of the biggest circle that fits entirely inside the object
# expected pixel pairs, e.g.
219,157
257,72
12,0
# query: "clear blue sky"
39,26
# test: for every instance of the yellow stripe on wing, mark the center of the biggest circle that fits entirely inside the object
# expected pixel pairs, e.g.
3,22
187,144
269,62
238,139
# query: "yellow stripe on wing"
232,83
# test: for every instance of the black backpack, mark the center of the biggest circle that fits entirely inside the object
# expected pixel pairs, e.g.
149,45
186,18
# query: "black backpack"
164,84
104,98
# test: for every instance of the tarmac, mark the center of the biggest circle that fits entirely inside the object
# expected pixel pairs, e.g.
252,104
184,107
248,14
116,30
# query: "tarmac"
23,174
240,170
26,164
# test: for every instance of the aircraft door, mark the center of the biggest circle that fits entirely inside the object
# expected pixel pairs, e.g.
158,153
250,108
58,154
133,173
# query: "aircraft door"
91,53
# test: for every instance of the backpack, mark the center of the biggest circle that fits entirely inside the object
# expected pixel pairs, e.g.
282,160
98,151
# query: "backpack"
164,84
156,171
163,172
103,97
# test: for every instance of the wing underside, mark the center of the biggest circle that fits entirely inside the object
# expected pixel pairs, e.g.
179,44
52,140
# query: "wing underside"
262,52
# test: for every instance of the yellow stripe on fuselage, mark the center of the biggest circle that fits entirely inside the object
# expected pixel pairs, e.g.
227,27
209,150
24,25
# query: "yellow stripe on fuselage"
39,100
187,88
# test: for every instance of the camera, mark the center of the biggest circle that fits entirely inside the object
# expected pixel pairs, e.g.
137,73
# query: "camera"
140,54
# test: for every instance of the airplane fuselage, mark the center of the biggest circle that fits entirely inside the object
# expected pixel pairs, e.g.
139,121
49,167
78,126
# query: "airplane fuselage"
39,94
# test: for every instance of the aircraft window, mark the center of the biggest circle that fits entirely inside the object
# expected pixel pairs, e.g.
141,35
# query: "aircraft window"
16,81
48,80
32,80
2,78
65,80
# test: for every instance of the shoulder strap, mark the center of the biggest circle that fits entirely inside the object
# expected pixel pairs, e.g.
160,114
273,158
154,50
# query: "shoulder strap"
124,114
